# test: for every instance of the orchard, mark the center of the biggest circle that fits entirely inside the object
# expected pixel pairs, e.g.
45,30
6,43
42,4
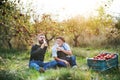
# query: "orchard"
87,36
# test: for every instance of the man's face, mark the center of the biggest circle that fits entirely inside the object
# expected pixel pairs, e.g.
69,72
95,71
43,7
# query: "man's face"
41,38
59,42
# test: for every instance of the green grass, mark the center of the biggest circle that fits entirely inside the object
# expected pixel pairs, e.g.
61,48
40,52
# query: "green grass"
14,66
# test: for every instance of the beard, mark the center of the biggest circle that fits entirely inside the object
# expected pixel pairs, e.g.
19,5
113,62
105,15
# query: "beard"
41,42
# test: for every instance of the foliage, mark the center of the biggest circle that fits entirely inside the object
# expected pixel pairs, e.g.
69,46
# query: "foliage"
49,27
114,36
74,27
14,26
16,30
91,31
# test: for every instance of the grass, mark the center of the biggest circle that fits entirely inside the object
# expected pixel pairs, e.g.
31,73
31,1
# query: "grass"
14,66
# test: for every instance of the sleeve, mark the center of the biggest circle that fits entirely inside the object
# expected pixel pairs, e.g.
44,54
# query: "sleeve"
35,50
54,51
67,47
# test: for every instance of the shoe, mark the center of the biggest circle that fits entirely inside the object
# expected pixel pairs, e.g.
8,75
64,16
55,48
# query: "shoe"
74,67
41,70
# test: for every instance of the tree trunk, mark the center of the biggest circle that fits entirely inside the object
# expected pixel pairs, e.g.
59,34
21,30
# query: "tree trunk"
75,41
9,44
48,40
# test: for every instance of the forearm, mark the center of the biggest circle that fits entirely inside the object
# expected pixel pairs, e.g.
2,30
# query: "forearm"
67,52
62,60
58,59
44,45
36,51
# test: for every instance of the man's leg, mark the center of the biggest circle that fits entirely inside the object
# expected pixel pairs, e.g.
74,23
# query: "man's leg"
50,64
34,65
61,64
73,61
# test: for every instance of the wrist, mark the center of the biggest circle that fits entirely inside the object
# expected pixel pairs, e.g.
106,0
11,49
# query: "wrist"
63,61
45,44
62,50
42,46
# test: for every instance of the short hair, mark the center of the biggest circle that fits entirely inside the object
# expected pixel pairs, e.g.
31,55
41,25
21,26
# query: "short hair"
61,38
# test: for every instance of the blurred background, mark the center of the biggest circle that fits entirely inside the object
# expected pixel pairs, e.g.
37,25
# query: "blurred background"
83,23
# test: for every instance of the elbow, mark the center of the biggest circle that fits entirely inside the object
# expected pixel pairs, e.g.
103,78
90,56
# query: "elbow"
70,53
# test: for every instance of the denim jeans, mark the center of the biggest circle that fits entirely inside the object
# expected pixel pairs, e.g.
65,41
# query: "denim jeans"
37,64
73,62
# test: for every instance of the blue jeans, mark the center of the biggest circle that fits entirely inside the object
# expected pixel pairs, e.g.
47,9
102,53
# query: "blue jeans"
37,64
73,62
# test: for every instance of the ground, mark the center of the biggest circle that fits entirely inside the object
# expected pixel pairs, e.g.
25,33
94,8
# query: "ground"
14,66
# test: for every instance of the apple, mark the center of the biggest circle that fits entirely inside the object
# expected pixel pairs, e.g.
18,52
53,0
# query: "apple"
104,56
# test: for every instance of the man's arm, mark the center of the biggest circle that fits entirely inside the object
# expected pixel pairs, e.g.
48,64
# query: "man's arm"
38,50
58,59
69,52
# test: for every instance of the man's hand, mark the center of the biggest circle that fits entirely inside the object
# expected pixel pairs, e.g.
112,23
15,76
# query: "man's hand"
44,41
44,44
66,62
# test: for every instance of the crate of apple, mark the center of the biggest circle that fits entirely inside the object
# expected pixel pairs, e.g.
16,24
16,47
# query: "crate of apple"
103,61
104,56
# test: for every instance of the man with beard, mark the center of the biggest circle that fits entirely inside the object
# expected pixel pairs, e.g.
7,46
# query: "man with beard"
37,55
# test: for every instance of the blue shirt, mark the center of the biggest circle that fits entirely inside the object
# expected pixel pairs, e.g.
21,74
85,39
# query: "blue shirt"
65,46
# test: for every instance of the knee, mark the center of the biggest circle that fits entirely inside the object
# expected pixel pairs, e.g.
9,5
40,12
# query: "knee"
73,57
61,64
33,65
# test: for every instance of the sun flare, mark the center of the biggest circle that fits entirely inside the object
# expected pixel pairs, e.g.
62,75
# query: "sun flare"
63,9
